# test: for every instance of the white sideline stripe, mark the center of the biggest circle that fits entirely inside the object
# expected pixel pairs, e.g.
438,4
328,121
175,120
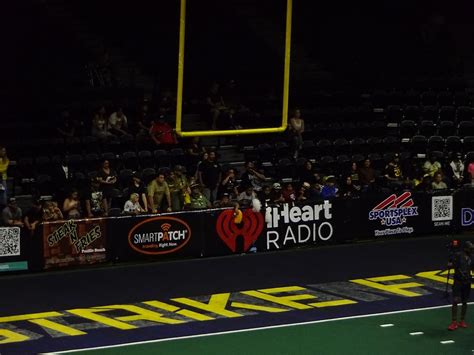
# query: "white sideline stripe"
447,342
386,325
417,333
248,329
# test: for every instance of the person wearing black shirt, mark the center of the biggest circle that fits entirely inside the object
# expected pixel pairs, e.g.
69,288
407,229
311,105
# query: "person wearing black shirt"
210,176
462,264
138,187
34,216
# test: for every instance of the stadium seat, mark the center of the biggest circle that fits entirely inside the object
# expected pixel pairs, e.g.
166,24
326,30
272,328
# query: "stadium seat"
125,177
453,144
265,152
418,144
285,169
464,113
43,165
177,156
430,113
394,113
130,160
359,146
92,161
148,174
377,161
91,144
447,113
408,128
429,98
341,146
468,143
427,128
282,150
75,161
145,158
435,143
391,144
327,163
309,149
324,147
375,144
446,129
445,98
466,128
412,112
461,98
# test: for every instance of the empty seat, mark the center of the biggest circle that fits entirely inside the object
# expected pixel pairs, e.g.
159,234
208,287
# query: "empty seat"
446,129
445,98
161,158
436,143
466,128
145,158
341,146
285,169
418,144
309,149
324,147
468,143
130,160
412,112
265,152
464,113
430,113
427,128
394,113
358,146
429,98
408,128
447,113
453,144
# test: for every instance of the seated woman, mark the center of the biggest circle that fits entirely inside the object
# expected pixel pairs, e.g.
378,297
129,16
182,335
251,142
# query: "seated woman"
72,206
132,206
51,211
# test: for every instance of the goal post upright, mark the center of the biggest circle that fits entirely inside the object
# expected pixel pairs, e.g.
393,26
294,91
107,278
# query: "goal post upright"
179,95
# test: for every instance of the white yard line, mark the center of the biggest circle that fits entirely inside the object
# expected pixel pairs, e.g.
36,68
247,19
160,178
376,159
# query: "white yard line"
252,329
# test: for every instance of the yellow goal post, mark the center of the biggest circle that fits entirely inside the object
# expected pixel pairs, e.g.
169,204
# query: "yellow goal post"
179,95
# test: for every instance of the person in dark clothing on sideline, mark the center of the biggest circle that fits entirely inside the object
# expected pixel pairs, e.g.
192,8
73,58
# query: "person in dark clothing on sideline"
462,264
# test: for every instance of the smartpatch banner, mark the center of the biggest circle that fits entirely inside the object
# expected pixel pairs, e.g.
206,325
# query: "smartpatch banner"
74,242
13,249
151,236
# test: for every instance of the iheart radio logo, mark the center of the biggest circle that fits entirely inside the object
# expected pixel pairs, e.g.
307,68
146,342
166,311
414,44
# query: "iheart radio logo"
250,228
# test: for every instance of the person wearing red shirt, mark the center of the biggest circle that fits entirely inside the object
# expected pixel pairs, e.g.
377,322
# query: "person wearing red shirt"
162,133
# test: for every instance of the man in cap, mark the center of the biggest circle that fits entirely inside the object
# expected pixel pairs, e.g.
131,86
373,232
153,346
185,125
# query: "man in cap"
12,214
462,263
178,184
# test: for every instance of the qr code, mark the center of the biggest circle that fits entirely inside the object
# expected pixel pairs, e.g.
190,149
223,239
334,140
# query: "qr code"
442,208
10,241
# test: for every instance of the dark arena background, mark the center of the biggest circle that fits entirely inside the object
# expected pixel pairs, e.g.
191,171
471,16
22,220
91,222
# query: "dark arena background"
235,177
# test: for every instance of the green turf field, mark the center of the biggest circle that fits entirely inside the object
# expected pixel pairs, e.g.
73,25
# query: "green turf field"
362,335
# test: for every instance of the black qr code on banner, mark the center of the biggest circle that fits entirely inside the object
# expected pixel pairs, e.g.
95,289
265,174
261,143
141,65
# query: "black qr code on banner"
442,208
10,241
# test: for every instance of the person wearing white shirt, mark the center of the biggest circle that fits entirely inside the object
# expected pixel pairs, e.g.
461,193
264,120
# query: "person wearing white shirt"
132,206
118,123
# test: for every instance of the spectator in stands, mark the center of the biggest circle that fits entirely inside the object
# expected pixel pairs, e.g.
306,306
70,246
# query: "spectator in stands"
354,174
224,201
138,187
265,195
100,127
307,174
229,184
204,157
277,193
393,171
159,198
65,126
33,216
132,206
348,189
179,187
252,176
216,104
438,183
95,201
12,214
118,124
425,184
233,101
329,189
193,152
4,163
303,192
72,206
289,193
51,211
210,176
470,171
455,170
142,123
198,200
296,130
167,102
366,175
162,133
62,177
431,166
245,197
108,180
314,192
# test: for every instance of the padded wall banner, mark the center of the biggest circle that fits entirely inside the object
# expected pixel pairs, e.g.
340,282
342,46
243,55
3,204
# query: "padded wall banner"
290,226
155,237
464,209
74,242
13,249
